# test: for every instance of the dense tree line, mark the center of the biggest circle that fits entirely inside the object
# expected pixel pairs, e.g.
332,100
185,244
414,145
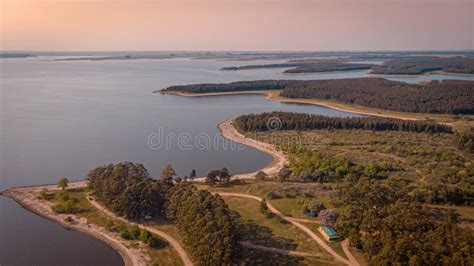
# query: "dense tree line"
127,189
205,223
421,65
233,86
299,121
308,66
395,65
203,219
394,230
447,97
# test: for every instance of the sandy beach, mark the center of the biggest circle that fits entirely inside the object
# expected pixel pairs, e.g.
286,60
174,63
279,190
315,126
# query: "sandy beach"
279,159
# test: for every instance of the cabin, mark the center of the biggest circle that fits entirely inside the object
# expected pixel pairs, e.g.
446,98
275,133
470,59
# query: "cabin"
329,233
311,214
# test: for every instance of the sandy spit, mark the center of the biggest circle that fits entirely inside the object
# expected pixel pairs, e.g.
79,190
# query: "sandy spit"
27,197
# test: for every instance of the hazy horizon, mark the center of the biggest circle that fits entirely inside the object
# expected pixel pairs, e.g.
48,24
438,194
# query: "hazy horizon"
241,25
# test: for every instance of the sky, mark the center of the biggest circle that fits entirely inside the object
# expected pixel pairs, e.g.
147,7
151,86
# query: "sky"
243,25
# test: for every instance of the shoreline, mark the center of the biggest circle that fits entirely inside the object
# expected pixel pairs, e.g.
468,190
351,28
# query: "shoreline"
26,197
229,132
272,95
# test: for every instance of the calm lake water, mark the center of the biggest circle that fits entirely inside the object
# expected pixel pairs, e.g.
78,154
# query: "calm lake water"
63,118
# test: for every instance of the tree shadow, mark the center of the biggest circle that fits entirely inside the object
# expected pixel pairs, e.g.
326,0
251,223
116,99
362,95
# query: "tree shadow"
261,235
259,257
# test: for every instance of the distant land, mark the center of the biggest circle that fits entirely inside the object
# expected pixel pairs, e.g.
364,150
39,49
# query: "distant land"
15,55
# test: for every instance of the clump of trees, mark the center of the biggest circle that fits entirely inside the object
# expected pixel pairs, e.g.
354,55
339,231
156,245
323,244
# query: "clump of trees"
327,217
205,223
222,176
261,176
390,228
314,206
300,121
203,219
127,189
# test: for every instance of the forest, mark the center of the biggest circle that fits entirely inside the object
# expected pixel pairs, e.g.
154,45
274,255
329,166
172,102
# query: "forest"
203,219
446,97
127,190
382,186
422,65
299,121
308,66
205,223
392,65
391,229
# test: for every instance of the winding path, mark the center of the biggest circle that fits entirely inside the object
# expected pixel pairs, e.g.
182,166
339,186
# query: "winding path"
175,244
297,222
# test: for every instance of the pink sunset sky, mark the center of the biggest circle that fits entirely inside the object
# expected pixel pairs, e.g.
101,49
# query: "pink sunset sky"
236,25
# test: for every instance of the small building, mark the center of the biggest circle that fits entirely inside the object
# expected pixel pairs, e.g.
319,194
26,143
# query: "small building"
311,213
329,233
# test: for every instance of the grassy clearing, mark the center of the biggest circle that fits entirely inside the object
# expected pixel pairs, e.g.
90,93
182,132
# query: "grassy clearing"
291,195
257,228
160,256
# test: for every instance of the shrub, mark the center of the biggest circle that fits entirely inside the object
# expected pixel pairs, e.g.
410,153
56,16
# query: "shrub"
125,234
135,232
109,226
